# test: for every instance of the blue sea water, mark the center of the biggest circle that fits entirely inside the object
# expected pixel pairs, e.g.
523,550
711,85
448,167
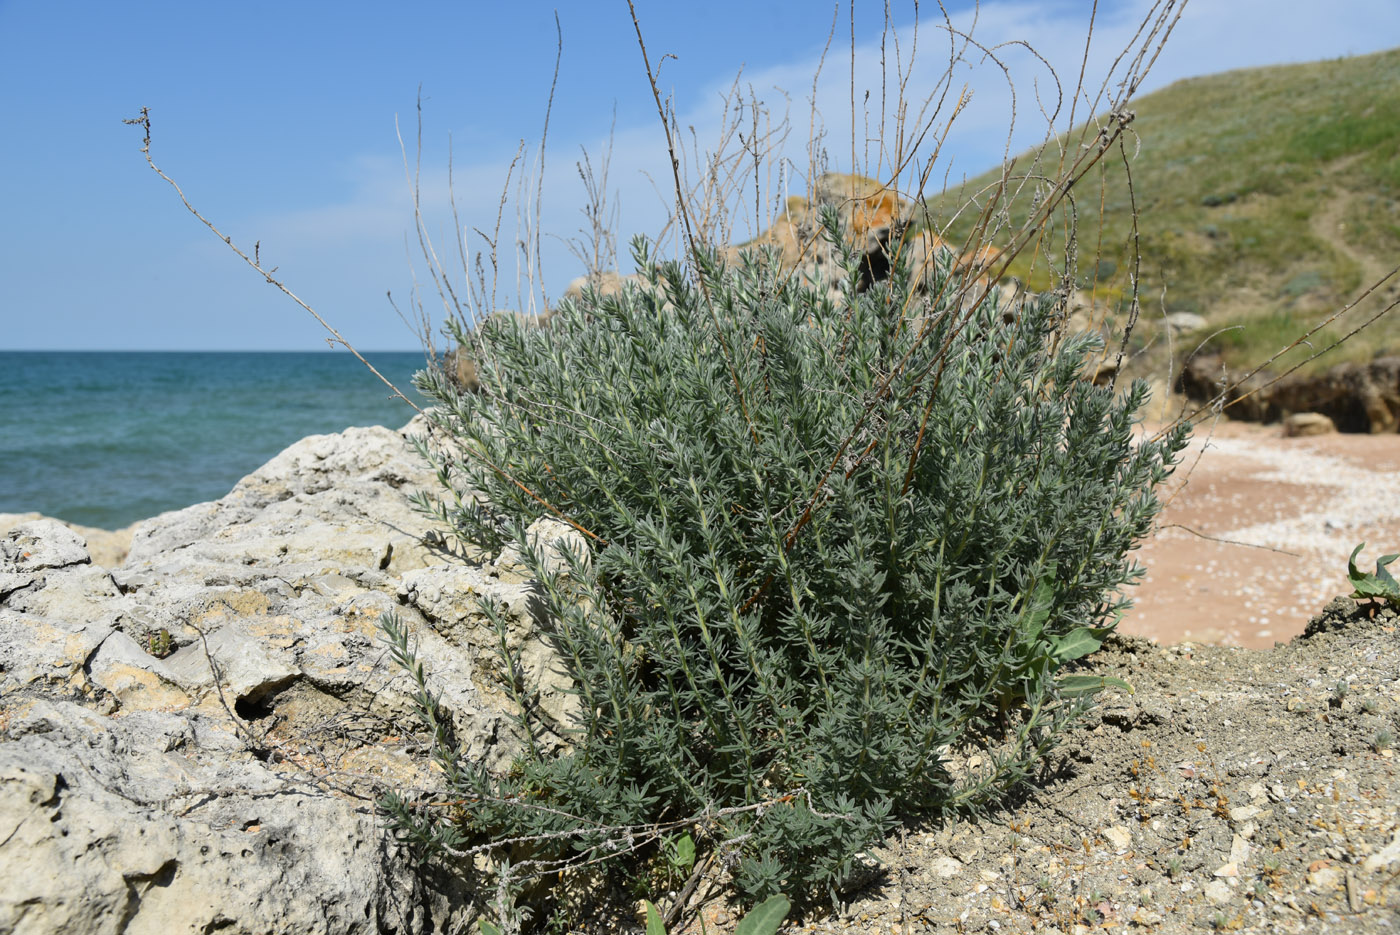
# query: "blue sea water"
105,439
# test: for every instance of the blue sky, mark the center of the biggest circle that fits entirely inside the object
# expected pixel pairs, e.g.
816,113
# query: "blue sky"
278,120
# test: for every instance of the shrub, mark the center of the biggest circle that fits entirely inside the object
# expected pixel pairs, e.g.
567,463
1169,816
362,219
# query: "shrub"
841,541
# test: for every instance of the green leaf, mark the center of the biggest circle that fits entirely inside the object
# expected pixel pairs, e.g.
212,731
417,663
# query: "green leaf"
654,924
1038,609
685,852
1369,587
1354,573
1080,642
1075,686
489,928
1041,603
1385,577
764,918
1372,586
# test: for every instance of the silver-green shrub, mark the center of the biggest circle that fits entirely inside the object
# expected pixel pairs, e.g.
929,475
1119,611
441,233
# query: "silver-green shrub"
841,540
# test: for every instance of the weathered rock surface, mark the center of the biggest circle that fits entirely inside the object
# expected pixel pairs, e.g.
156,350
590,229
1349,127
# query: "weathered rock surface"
1357,397
605,283
1203,377
108,547
869,214
194,740
1304,424
161,822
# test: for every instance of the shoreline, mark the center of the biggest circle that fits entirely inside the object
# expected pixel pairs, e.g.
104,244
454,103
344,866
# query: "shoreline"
1255,536
106,441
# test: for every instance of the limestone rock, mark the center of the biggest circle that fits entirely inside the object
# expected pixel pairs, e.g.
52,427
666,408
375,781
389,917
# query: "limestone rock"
74,594
326,500
1120,837
1356,397
870,212
1204,377
42,544
248,669
56,609
457,363
195,739
107,547
46,655
555,542
1302,424
945,867
605,283
137,680
1179,323
133,825
1218,892
1386,857
453,600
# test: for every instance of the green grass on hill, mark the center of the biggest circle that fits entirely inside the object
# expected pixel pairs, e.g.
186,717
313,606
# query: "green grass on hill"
1267,198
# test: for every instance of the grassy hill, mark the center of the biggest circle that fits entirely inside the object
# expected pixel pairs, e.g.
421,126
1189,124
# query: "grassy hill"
1267,197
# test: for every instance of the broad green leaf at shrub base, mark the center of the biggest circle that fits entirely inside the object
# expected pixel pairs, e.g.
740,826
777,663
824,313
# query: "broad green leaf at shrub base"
1380,585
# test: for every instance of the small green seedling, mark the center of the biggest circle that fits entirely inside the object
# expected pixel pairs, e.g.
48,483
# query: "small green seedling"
1378,586
680,854
159,644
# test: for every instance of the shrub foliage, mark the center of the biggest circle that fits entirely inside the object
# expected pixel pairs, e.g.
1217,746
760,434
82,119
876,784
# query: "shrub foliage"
840,541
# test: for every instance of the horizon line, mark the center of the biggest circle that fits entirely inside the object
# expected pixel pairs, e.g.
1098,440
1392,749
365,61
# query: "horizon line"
196,350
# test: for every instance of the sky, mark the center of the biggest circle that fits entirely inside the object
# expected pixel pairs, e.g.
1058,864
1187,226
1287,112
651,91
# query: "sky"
282,123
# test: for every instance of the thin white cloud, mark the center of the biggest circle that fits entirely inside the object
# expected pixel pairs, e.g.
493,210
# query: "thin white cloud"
1211,36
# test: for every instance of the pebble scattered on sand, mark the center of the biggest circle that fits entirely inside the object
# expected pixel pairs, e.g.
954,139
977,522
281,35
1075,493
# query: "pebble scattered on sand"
1257,533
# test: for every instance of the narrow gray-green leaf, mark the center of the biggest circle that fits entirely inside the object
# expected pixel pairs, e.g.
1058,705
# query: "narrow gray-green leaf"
1075,686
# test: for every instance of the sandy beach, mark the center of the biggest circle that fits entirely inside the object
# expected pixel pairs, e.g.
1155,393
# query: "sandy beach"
1257,531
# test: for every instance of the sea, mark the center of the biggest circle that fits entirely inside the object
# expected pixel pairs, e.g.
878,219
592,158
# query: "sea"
105,439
